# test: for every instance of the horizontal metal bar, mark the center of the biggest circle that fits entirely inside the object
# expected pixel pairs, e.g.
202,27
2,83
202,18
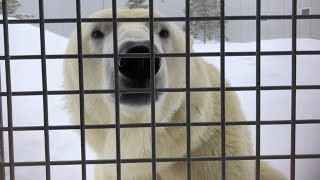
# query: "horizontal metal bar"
173,124
159,19
173,159
145,55
147,90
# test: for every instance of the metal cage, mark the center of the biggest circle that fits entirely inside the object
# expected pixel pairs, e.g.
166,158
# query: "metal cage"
187,90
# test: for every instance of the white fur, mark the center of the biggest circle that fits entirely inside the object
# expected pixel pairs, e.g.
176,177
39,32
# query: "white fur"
170,142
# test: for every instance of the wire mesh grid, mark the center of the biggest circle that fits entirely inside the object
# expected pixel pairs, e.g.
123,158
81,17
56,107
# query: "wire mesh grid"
10,129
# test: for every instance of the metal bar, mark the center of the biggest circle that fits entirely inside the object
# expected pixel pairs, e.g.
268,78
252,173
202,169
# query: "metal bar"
188,120
45,90
144,55
152,90
222,92
2,160
258,84
177,159
147,90
116,86
8,83
293,90
81,92
160,19
177,124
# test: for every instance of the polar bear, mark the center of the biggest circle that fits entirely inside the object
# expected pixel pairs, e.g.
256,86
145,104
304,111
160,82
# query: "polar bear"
98,73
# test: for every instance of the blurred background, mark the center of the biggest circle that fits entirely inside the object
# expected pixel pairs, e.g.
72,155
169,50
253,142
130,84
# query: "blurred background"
236,31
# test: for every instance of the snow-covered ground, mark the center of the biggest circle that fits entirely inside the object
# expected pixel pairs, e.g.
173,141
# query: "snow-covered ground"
276,105
240,71
28,110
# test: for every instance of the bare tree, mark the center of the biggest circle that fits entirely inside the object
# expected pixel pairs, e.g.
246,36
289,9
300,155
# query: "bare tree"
133,4
12,6
204,30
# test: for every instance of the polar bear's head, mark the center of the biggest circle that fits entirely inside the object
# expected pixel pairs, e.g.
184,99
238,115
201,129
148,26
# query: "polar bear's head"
133,37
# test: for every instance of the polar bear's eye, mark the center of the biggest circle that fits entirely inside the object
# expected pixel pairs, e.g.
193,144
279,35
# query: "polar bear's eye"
164,33
97,34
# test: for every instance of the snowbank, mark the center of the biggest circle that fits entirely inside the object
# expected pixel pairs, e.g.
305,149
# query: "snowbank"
28,110
276,105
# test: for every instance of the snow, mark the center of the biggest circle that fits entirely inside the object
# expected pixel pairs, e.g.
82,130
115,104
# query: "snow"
276,105
28,110
240,71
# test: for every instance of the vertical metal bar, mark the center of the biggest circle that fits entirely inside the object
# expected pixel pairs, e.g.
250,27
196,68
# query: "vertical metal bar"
116,86
8,83
2,160
258,84
81,91
45,90
293,90
222,92
152,91
188,121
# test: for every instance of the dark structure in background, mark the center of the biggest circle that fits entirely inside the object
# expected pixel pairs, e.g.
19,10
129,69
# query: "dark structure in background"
11,164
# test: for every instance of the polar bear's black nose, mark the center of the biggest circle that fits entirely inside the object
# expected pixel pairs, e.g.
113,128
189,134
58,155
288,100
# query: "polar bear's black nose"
137,69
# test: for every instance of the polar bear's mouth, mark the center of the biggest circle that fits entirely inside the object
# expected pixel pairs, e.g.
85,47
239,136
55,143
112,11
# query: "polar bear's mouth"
135,73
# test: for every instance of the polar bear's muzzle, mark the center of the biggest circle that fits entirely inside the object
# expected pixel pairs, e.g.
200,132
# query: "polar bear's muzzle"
135,72
137,69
